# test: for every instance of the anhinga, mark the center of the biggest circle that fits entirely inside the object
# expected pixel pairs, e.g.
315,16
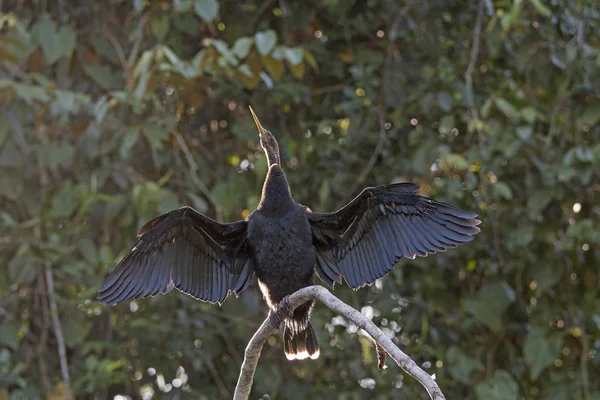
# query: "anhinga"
284,243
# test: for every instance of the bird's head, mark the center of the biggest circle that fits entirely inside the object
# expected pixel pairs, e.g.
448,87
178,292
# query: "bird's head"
267,141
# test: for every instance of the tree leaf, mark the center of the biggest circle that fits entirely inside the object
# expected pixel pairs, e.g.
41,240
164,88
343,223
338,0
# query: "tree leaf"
546,275
54,153
241,47
206,9
160,27
273,66
30,92
507,108
11,183
502,190
489,304
541,8
55,43
541,350
9,333
297,70
265,41
501,387
524,132
294,55
454,161
461,366
538,201
182,5
155,134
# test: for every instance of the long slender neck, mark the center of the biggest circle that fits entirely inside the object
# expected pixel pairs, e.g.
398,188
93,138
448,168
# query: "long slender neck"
276,196
273,157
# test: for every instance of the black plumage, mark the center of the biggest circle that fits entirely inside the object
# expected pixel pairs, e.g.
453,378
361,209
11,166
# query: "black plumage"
284,243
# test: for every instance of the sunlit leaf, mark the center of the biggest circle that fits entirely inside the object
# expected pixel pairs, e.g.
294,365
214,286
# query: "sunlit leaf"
274,67
294,55
206,9
241,47
265,41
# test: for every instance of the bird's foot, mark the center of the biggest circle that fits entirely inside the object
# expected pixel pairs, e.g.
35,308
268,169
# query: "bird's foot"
280,312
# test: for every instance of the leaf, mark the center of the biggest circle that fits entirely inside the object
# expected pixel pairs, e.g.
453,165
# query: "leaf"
445,101
541,8
9,333
4,128
103,75
454,161
501,387
160,27
294,55
524,132
297,70
206,9
507,108
490,302
546,275
241,47
64,202
265,41
129,140
310,59
273,66
266,79
502,190
541,350
529,114
30,92
11,184
88,249
182,5
155,134
461,366
224,50
54,153
539,201
55,44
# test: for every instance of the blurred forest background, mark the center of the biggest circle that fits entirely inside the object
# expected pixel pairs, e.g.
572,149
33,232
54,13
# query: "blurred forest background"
113,112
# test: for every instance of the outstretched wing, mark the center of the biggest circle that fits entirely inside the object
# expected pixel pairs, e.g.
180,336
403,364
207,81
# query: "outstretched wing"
185,250
363,241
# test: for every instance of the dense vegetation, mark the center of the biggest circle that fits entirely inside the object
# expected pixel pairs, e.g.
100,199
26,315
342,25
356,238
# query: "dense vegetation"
113,114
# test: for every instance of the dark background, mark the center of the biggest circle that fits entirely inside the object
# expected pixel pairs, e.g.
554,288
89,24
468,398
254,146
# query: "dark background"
113,112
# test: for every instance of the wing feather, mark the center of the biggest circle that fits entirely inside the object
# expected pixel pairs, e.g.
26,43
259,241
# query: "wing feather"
185,250
381,225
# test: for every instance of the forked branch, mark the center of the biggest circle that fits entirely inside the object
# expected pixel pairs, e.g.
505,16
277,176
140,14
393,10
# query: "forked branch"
254,348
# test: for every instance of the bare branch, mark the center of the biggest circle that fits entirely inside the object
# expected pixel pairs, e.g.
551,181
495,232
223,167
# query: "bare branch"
474,54
62,353
194,174
254,348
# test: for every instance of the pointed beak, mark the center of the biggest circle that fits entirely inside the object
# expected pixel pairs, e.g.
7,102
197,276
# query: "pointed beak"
261,130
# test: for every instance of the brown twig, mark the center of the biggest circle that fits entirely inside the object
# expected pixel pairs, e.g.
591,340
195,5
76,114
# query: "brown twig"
254,348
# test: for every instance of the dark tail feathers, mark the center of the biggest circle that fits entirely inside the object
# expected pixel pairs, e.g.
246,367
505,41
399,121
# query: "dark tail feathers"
300,343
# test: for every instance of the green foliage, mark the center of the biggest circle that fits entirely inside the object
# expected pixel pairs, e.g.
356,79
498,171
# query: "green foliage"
112,115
